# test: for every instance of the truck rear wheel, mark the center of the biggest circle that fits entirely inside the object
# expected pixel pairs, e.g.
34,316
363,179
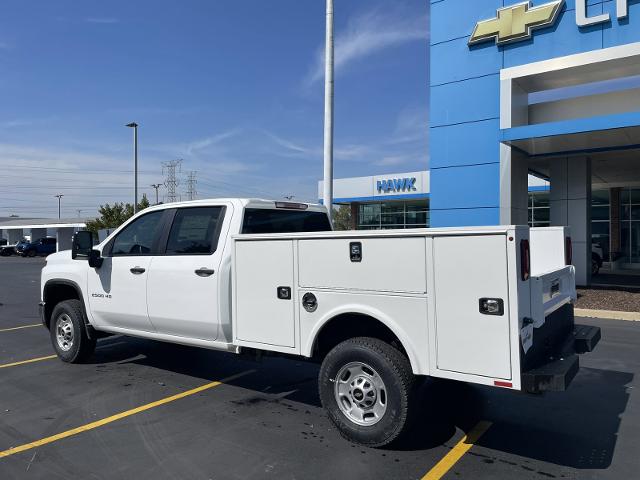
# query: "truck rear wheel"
68,333
366,386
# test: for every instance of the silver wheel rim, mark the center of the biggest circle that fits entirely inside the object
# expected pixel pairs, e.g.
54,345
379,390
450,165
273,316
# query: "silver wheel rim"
360,394
64,332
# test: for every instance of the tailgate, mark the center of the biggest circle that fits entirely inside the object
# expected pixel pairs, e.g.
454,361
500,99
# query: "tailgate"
549,358
550,291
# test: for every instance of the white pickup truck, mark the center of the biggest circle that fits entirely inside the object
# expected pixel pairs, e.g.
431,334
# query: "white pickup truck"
377,309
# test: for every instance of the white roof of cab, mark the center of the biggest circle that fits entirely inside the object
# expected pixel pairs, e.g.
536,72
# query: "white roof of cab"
243,202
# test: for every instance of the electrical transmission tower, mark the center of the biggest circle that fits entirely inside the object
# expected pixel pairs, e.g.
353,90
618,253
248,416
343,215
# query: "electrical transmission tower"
191,185
169,169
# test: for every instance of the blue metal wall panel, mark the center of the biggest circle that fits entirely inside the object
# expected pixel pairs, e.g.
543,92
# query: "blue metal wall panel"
465,144
465,187
454,20
486,60
474,217
621,32
569,4
467,101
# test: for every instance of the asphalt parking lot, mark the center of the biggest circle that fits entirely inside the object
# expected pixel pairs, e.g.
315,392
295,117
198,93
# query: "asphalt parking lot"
264,419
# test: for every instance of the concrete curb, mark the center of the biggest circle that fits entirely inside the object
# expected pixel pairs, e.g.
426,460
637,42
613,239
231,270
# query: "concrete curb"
609,314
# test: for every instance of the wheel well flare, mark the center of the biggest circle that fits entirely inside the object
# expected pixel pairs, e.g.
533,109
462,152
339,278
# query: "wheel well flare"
350,325
55,293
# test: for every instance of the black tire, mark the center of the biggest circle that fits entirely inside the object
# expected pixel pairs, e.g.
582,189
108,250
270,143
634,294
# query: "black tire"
395,371
81,346
31,253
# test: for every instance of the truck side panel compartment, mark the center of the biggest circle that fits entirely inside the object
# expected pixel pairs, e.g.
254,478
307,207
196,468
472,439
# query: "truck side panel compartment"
467,270
264,316
382,266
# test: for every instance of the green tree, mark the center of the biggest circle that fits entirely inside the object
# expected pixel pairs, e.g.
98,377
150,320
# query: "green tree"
342,218
112,216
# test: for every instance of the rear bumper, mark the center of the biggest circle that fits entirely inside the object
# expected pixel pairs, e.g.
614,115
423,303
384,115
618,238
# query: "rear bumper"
553,361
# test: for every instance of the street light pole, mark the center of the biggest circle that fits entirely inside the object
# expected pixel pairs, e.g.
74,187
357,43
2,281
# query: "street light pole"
59,197
327,196
156,186
134,125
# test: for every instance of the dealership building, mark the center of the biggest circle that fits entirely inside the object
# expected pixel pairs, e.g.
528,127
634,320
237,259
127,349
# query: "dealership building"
543,88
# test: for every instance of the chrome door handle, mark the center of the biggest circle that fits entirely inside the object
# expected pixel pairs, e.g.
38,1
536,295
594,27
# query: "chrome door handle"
204,272
137,270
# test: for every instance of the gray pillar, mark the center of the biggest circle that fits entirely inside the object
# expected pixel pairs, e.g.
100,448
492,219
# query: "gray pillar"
15,235
570,199
38,233
65,237
514,187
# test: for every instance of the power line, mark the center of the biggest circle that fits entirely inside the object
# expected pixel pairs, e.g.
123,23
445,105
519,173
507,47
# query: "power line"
75,170
172,181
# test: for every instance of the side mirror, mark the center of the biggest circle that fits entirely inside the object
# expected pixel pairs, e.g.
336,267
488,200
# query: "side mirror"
82,244
95,259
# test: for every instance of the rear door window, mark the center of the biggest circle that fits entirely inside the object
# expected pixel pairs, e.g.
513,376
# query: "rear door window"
261,220
195,231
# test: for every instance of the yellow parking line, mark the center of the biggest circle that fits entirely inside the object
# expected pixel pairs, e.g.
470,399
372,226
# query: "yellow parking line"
119,416
457,452
39,359
20,328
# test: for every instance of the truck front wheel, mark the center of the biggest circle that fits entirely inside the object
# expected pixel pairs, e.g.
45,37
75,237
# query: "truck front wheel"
366,386
68,333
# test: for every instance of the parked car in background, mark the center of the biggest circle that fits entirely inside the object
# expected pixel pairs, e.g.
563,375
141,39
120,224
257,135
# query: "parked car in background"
3,242
42,246
8,250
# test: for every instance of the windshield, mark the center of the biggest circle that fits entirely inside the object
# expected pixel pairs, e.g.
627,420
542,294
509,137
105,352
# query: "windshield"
260,220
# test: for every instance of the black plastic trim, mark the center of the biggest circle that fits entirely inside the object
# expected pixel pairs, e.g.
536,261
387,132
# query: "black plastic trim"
554,376
53,282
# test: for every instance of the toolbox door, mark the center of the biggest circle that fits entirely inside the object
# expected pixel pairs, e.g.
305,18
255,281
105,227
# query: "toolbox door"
472,305
264,280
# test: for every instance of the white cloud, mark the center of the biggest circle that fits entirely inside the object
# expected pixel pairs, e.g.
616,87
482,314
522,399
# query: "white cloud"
209,142
370,33
291,148
406,143
391,161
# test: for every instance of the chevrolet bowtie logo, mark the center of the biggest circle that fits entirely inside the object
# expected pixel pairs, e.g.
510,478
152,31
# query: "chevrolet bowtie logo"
515,23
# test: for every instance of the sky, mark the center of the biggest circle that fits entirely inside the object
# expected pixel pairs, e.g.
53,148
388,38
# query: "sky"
234,88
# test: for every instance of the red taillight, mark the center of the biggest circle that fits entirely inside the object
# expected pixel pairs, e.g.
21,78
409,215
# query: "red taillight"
568,251
525,260
498,383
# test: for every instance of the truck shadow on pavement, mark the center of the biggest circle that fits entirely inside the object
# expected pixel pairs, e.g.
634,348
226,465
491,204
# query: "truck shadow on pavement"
577,428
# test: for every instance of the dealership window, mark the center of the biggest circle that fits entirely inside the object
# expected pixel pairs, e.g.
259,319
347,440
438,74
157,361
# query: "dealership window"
600,220
393,215
630,225
539,213
540,216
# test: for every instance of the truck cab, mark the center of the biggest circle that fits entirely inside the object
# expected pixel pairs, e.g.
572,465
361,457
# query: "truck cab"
160,271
